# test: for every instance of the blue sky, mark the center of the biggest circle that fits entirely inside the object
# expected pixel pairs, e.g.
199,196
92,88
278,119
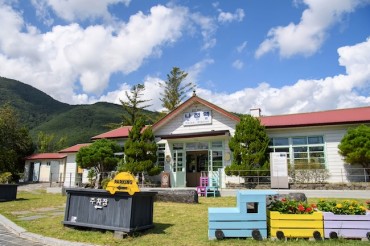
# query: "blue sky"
281,56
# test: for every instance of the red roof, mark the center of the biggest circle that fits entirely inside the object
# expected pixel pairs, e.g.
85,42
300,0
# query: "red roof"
187,103
329,117
74,148
121,132
45,156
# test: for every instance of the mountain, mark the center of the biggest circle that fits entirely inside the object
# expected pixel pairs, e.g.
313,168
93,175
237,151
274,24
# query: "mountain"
40,112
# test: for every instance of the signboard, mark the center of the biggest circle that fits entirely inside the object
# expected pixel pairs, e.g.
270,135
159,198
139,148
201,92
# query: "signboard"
279,164
197,118
279,170
123,182
165,180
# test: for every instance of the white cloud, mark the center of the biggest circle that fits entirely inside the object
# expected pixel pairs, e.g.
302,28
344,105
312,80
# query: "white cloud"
72,10
227,17
241,47
306,37
208,29
238,64
54,61
196,69
306,95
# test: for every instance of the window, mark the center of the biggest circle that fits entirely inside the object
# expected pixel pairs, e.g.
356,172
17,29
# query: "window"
302,150
178,146
48,163
161,156
216,160
217,144
178,165
252,207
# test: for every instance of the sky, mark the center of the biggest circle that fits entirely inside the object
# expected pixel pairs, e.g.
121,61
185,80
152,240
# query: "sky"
280,56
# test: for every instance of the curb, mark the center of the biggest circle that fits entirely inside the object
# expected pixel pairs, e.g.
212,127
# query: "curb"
21,232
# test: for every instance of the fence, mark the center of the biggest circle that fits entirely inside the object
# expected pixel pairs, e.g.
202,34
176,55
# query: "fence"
299,176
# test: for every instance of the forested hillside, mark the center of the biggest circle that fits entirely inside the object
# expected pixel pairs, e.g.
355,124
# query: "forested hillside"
40,112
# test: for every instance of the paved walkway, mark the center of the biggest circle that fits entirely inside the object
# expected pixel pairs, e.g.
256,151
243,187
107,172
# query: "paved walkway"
8,238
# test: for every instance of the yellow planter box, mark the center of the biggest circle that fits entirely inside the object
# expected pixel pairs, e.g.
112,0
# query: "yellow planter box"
295,225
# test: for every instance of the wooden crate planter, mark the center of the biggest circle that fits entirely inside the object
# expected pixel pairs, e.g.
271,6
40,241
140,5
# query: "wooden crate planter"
283,226
8,192
99,209
247,219
346,226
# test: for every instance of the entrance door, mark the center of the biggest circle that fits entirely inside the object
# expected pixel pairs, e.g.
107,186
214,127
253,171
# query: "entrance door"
196,162
36,172
54,171
179,169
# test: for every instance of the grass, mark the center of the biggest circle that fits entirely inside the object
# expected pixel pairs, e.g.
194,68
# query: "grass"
175,223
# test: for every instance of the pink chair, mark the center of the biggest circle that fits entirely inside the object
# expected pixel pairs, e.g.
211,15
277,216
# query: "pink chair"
202,188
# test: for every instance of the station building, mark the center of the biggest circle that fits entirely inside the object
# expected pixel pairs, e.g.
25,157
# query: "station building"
194,139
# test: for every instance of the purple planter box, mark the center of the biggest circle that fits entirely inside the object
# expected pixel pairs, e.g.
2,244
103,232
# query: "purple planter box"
346,226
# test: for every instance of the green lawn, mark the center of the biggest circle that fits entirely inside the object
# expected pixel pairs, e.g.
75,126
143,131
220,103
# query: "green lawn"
175,223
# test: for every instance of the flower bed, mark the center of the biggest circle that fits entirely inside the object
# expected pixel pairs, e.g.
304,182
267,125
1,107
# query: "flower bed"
294,219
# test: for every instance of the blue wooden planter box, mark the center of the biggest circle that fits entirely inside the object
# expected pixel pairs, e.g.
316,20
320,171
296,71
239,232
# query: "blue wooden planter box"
8,192
99,209
248,219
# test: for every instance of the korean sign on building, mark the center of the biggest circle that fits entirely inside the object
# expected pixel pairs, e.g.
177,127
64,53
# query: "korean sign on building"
197,118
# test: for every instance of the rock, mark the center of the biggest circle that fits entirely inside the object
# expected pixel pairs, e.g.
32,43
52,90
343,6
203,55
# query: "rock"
182,196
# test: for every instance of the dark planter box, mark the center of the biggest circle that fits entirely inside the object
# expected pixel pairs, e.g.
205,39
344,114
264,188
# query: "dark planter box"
99,209
8,192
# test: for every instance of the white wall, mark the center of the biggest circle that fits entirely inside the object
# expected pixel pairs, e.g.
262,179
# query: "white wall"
332,137
71,170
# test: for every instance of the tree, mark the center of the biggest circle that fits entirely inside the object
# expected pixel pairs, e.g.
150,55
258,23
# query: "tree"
133,105
355,146
250,148
15,141
140,151
47,143
174,90
99,156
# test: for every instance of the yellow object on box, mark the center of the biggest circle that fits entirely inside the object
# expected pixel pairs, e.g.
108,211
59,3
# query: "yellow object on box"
123,182
295,225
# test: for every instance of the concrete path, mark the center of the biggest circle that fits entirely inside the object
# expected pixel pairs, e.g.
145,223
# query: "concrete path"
12,235
8,238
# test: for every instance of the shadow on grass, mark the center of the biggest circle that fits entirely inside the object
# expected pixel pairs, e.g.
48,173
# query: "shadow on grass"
159,228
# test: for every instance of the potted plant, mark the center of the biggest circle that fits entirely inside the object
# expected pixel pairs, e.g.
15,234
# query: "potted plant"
288,218
8,192
346,219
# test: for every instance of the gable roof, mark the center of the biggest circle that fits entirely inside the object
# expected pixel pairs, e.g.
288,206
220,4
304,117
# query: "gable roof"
121,132
329,117
74,148
187,103
42,156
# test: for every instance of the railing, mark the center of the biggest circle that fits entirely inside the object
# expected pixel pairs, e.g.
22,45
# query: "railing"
299,176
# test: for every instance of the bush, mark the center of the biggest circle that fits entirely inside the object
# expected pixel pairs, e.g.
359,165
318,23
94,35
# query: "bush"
5,178
105,182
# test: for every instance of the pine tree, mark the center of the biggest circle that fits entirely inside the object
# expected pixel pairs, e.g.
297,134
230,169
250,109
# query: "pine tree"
250,148
133,106
174,89
140,151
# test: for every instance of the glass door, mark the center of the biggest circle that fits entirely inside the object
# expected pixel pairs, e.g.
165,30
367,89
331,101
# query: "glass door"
179,169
